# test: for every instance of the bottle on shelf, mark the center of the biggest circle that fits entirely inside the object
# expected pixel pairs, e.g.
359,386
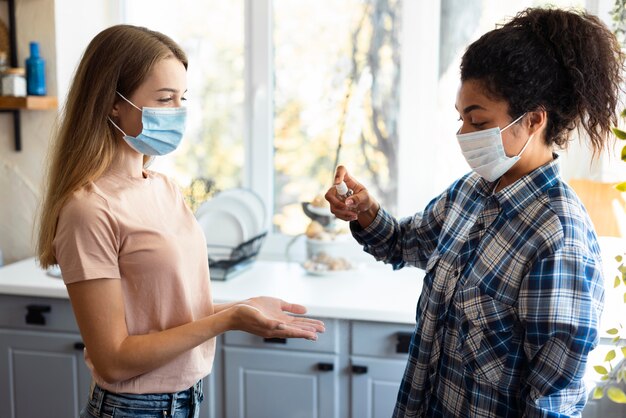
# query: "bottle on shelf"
35,72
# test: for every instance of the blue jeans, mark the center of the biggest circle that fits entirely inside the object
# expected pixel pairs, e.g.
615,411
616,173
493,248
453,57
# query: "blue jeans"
105,404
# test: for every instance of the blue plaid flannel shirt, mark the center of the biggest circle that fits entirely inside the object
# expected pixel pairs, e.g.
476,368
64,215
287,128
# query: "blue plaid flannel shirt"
511,300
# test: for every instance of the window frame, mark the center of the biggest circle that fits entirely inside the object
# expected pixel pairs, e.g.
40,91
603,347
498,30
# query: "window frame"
259,109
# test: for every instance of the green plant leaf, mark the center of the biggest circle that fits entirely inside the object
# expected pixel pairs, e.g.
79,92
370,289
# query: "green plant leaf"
618,258
598,392
624,351
604,378
601,370
615,340
623,114
612,331
610,355
621,187
617,281
616,394
624,153
619,133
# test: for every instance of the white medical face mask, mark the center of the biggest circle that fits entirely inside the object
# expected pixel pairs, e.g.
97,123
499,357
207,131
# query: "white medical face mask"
484,151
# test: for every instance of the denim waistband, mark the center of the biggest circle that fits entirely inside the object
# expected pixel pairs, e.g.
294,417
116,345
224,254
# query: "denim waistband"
188,398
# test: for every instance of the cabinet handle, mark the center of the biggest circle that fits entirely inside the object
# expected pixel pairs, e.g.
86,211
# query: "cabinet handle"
404,341
359,369
275,340
34,314
325,367
79,346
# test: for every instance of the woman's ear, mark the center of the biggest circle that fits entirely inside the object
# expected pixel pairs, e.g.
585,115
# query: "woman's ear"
115,110
537,120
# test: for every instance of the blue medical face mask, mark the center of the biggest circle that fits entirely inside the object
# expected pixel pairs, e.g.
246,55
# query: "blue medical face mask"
163,129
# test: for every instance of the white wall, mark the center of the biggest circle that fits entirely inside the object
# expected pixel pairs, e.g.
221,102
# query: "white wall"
63,28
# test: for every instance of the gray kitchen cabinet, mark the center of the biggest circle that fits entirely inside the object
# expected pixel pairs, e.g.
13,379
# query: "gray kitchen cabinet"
353,370
43,374
42,368
375,384
273,384
379,353
275,377
42,371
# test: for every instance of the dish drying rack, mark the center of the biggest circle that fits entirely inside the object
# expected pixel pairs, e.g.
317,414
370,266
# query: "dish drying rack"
227,261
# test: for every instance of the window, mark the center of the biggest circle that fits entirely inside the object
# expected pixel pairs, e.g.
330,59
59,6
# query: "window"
274,85
336,81
212,34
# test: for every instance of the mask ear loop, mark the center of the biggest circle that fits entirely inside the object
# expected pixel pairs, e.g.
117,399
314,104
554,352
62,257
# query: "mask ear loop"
118,128
529,138
525,145
501,130
131,103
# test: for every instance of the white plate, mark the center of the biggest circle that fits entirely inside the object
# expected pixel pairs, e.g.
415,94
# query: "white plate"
222,228
235,208
253,203
244,204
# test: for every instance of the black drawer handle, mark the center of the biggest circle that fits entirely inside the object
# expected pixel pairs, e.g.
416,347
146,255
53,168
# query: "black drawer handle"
275,340
34,316
359,369
79,346
325,367
404,341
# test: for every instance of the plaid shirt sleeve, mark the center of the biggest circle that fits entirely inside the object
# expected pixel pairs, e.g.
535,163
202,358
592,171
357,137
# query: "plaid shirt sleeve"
560,303
410,240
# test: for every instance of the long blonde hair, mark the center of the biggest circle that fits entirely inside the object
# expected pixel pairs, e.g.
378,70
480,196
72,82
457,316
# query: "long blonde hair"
118,58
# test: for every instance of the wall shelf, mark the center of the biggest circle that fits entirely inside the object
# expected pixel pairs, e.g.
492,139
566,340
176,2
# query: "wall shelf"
14,105
28,103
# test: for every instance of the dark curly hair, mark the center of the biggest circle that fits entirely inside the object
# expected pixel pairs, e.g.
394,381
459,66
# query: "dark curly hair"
566,62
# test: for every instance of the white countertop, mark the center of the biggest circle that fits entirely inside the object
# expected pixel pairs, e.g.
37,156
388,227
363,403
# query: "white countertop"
373,292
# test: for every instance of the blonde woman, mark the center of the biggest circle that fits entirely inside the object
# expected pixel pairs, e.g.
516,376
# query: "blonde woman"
131,253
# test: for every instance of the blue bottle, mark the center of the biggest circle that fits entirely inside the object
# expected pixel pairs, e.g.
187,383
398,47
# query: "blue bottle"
35,72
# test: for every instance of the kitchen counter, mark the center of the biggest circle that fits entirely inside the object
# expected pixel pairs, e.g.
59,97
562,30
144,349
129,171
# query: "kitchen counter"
373,292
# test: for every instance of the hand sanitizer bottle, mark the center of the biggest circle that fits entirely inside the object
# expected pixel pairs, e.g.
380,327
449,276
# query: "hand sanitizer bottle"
342,191
35,72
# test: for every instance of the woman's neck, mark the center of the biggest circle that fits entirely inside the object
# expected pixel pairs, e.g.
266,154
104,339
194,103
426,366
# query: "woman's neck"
128,162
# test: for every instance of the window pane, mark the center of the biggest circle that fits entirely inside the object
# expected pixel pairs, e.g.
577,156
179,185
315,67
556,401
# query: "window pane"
337,77
212,34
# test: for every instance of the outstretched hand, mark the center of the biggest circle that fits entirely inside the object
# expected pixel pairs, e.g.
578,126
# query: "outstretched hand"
270,318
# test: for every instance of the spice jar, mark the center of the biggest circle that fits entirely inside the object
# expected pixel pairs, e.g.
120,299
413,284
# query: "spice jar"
14,82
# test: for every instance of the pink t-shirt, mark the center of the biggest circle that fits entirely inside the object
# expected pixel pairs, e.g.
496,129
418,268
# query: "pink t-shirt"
140,231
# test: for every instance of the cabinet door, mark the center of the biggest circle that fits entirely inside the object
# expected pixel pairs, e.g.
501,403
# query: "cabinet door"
375,385
280,384
42,374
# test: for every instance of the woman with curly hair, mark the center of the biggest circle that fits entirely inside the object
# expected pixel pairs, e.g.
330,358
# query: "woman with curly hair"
513,289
